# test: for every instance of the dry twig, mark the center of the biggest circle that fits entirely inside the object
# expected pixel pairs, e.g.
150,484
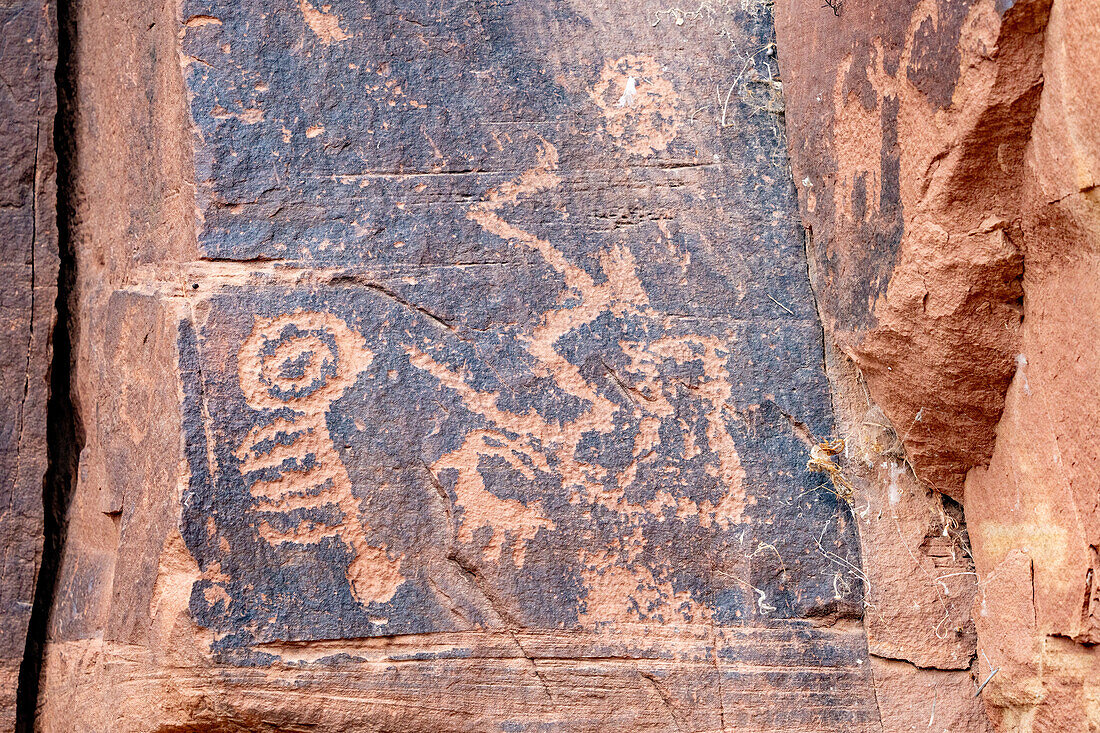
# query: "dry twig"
821,461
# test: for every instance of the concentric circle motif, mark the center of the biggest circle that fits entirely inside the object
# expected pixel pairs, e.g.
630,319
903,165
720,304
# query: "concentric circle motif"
297,363
303,360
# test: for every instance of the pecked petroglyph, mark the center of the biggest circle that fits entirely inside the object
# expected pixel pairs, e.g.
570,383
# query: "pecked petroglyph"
620,427
324,25
622,590
634,395
639,105
538,323
293,367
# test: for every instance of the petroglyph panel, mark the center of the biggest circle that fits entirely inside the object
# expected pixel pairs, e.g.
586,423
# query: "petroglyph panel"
514,335
372,471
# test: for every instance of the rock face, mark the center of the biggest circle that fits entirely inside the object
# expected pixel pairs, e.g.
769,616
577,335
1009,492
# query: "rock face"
28,266
951,198
460,366
910,197
1034,512
471,386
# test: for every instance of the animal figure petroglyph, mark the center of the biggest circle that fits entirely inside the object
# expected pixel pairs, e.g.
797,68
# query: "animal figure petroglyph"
305,361
530,442
293,367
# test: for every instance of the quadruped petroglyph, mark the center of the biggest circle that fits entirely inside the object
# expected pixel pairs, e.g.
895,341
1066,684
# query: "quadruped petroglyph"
532,357
575,460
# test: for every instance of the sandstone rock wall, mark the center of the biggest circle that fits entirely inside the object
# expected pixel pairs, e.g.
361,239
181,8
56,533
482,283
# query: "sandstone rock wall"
455,366
946,167
446,367
1035,511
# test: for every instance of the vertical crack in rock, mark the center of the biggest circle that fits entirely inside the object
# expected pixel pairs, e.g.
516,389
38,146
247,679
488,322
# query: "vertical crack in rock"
28,261
64,431
465,325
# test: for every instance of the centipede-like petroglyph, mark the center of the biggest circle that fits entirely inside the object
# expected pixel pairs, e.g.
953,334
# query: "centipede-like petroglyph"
293,367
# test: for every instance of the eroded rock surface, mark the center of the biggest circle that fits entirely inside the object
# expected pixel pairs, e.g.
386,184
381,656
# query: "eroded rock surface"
476,393
28,267
909,124
455,366
947,169
1035,512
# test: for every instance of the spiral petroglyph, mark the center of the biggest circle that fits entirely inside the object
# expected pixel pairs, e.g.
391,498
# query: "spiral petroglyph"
293,367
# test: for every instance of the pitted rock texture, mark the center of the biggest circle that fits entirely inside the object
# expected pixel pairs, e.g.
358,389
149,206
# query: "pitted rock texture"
477,394
452,366
538,365
28,267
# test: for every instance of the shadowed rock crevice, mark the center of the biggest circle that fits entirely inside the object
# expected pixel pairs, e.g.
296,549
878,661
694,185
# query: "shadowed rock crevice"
514,437
64,427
